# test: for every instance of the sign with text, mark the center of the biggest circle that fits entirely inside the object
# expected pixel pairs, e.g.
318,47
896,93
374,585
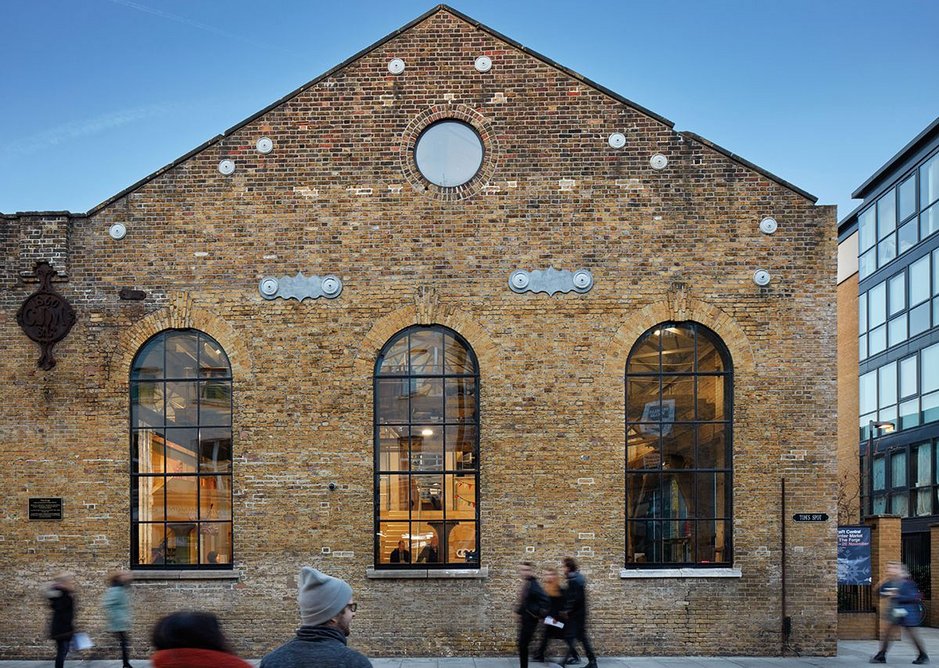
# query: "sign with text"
810,517
663,413
854,555
45,508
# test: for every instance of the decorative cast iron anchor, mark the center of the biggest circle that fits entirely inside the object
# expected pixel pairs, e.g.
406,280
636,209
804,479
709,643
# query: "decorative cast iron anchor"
46,317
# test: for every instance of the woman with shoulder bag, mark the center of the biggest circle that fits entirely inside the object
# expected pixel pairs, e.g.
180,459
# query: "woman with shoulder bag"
61,626
903,609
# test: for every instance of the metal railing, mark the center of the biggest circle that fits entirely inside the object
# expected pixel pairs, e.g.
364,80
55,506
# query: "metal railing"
855,598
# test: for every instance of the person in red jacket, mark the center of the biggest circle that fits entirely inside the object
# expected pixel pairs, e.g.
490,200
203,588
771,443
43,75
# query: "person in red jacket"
192,640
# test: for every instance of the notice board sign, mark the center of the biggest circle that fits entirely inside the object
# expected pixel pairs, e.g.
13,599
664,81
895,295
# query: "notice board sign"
854,555
45,508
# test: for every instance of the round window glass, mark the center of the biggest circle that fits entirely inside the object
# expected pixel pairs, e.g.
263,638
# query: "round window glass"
449,153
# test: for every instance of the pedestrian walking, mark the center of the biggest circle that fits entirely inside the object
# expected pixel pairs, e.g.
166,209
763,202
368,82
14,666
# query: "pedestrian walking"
192,640
902,603
552,626
327,609
61,597
117,613
575,613
531,608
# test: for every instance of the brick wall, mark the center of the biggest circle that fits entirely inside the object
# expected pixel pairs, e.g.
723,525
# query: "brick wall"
336,196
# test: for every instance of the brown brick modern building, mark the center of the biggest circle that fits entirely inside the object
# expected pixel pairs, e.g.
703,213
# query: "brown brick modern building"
444,308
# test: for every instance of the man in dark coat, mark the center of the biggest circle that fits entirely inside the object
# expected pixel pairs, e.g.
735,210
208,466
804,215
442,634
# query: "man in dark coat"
531,606
63,615
575,613
326,612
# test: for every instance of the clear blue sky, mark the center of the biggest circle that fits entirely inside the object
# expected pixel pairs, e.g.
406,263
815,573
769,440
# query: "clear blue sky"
100,93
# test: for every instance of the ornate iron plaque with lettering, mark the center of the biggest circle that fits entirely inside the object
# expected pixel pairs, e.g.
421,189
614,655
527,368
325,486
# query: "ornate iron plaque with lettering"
46,317
45,508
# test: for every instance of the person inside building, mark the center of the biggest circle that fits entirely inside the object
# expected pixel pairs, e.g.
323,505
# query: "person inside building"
327,609
61,600
116,604
192,640
575,613
531,607
430,553
903,608
400,555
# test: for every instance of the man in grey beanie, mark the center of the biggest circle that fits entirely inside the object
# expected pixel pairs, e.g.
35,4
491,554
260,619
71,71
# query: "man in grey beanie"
326,614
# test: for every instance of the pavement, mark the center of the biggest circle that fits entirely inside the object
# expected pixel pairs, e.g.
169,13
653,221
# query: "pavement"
850,653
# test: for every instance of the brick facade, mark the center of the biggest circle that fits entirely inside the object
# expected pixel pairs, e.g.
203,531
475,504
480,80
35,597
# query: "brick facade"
338,195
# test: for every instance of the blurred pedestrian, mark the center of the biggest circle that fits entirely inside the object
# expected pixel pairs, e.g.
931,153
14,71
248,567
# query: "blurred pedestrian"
327,609
60,595
903,608
531,608
551,583
192,640
575,613
116,604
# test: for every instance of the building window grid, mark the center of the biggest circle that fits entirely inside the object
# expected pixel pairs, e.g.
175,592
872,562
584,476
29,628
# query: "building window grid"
905,480
409,380
208,531
636,477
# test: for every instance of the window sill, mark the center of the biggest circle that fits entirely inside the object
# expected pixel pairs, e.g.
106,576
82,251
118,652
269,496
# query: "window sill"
185,575
673,573
429,574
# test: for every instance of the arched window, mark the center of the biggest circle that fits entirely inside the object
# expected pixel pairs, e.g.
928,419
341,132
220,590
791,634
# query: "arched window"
679,391
180,452
426,451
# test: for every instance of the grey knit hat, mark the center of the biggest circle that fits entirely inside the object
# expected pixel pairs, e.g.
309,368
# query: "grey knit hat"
321,597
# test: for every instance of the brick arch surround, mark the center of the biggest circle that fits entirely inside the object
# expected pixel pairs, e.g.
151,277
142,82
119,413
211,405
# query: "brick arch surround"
179,313
678,306
423,314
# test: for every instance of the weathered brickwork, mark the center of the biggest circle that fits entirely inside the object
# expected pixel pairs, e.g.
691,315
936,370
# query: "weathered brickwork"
338,195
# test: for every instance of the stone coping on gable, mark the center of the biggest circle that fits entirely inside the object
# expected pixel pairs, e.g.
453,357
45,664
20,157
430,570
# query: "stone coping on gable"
672,573
429,574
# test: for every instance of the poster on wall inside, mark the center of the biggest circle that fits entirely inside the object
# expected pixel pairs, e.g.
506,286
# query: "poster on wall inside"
854,555
661,413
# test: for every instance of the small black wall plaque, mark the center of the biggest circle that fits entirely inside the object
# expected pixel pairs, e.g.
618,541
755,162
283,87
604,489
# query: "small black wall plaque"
46,317
45,508
810,517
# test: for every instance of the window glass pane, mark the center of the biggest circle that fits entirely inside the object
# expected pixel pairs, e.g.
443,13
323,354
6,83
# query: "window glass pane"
461,399
641,542
935,310
214,498
907,198
427,448
896,331
929,221
425,541
150,492
898,469
449,153
643,450
181,543
427,497
710,539
393,448
712,446
924,502
880,479
394,543
645,355
677,349
460,496
931,407
642,399
930,367
867,392
395,360
149,361
919,281
181,352
886,214
146,452
181,404
709,357
922,461
867,222
644,496
877,340
151,544
862,348
392,400
886,249
678,398
919,319
461,543
929,182
394,497
888,414
896,293
426,352
907,236
899,504
867,263
215,402
216,543
213,362
461,448
427,400
677,542
880,505
862,314
908,377
711,399
678,446
181,448
711,495
877,305
909,414
215,449
458,359
146,404
935,272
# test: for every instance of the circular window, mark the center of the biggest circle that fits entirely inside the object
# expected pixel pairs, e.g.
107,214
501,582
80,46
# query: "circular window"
449,153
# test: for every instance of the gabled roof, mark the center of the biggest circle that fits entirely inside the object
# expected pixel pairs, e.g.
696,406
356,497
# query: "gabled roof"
367,50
